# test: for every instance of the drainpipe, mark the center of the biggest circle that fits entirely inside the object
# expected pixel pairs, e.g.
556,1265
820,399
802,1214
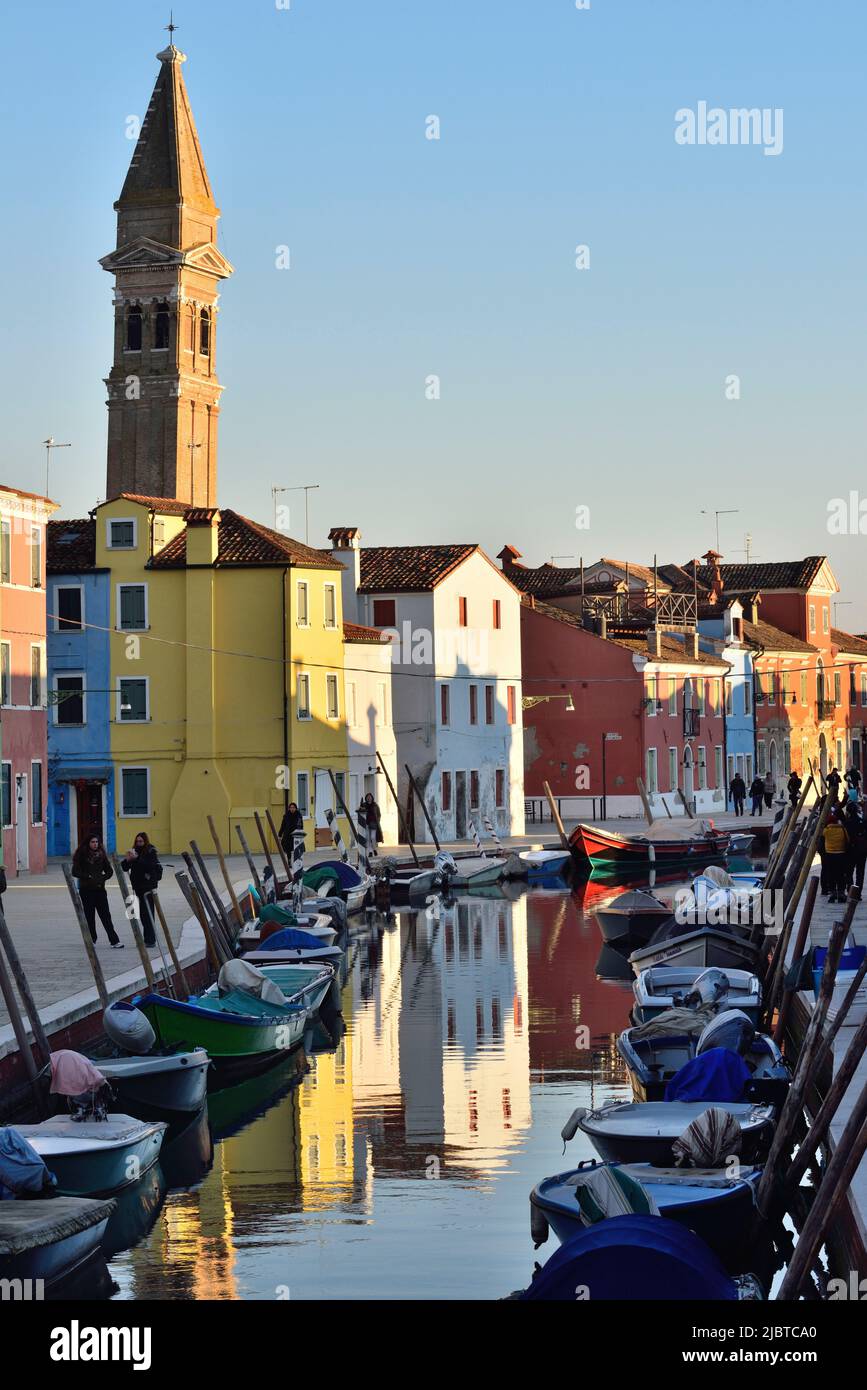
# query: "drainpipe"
286,796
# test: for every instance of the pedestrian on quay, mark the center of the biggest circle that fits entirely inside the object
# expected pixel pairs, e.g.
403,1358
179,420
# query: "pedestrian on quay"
370,818
836,856
3,887
853,780
793,786
834,780
738,793
770,789
145,871
292,821
91,867
757,793
856,829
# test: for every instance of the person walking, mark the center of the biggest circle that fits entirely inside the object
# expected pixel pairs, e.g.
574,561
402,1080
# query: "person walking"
145,871
853,780
770,789
91,867
738,793
292,821
833,780
836,848
757,793
370,817
793,787
856,829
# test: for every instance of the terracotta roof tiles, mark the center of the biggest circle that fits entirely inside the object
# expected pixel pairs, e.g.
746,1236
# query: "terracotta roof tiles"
70,546
241,541
356,632
406,569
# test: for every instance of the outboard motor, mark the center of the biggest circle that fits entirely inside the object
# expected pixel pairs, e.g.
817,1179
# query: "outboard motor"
444,862
710,987
731,1029
128,1029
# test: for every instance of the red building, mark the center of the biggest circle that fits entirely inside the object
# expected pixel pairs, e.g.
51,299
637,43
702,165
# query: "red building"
23,727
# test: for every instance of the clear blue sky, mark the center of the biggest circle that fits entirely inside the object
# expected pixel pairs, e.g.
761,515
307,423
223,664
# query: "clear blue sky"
410,257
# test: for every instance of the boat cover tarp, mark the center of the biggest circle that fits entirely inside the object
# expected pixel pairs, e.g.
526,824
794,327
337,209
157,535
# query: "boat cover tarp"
346,876
633,1258
677,829
709,1140
112,1130
72,1074
321,880
719,1074
732,1029
21,1168
291,939
607,1191
30,1225
333,908
273,912
242,975
672,1023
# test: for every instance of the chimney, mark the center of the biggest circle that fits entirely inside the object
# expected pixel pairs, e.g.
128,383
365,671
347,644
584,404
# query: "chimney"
346,547
712,559
507,557
654,642
691,643
203,535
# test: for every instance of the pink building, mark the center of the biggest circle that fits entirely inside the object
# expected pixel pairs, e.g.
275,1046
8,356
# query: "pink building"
23,723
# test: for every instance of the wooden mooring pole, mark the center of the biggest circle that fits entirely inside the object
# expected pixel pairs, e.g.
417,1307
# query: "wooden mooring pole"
403,825
90,948
236,906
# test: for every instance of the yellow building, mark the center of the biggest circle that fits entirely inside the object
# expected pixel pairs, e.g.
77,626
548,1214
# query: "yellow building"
226,656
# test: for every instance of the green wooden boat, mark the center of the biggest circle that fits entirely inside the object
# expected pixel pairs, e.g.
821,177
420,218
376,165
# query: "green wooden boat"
240,1032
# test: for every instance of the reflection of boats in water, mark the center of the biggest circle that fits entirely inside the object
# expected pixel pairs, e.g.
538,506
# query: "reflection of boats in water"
135,1213
236,1107
188,1152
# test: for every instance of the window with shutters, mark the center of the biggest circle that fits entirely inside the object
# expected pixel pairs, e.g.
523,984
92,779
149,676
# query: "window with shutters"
69,699
68,608
132,607
135,791
132,700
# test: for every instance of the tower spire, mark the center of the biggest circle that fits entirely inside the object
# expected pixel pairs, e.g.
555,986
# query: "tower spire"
163,392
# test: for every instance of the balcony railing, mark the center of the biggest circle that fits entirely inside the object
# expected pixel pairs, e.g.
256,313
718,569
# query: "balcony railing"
826,709
690,722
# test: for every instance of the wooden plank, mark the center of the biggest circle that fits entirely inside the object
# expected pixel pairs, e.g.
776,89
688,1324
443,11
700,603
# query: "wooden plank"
236,906
158,909
90,948
423,805
250,862
555,814
129,903
403,825
648,814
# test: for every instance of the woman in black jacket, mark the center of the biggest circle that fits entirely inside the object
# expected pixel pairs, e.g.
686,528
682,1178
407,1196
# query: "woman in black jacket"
370,816
145,871
90,865
292,821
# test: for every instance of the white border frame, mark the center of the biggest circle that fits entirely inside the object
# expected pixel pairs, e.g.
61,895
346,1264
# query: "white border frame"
37,762
55,621
62,675
126,521
132,584
303,718
133,815
118,718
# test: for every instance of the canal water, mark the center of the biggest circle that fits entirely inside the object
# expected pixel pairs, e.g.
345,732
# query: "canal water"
401,1164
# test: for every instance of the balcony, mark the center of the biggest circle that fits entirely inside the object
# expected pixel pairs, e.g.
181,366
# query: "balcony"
826,709
690,722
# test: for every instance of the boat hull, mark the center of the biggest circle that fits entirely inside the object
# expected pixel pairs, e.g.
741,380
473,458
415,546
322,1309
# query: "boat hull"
70,1229
700,948
88,1169
176,1087
606,849
238,1045
663,988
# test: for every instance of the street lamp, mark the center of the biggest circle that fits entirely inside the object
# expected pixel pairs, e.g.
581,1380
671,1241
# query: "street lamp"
606,738
529,701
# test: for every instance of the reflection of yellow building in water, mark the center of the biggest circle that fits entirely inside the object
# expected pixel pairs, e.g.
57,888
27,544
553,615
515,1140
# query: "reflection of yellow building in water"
326,1130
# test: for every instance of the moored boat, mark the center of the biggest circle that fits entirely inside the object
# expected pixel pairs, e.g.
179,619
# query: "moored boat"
644,1132
700,947
50,1238
174,1083
662,844
669,986
709,1201
544,863
634,914
93,1158
654,1061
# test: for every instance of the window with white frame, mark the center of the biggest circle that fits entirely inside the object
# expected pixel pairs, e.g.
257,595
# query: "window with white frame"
302,696
839,748
36,793
132,607
68,608
500,787
650,769
730,769
303,797
5,552
36,557
718,765
761,758
6,795
700,696
812,617
121,533
730,702
5,674
330,600
672,695
650,698
672,769
132,700
36,669
302,605
787,757
474,791
826,621
748,695
70,701
135,791
332,706
702,767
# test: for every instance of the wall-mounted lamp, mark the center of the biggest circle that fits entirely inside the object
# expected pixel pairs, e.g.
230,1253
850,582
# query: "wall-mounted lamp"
530,701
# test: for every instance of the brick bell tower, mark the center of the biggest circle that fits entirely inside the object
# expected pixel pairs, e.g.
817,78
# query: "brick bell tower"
163,392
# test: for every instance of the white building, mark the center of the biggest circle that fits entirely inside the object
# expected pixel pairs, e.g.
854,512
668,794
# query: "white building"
454,619
367,674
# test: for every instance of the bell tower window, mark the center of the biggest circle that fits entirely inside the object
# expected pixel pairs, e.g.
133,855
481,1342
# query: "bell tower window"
205,332
161,330
133,329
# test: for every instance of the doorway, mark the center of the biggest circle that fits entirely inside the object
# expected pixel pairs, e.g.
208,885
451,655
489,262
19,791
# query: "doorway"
88,812
823,755
323,800
460,805
688,780
22,831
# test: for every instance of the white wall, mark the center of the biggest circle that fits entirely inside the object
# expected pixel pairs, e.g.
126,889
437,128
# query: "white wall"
368,668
